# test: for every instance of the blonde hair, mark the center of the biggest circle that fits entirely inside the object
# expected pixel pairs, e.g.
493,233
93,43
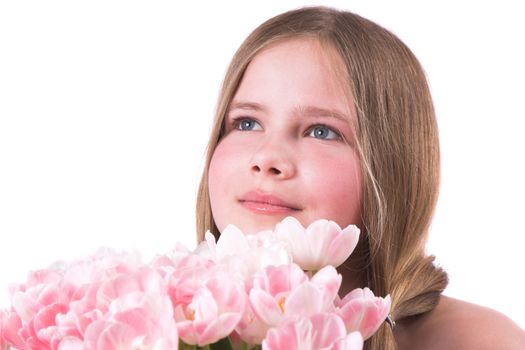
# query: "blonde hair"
397,141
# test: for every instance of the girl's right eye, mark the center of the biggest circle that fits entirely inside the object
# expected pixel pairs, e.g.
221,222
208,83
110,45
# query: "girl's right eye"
246,124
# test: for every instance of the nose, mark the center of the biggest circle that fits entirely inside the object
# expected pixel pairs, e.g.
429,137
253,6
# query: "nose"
273,159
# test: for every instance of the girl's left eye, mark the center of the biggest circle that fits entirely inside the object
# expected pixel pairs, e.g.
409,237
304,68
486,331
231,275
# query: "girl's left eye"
323,132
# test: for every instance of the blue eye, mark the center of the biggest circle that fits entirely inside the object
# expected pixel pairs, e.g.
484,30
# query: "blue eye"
323,132
247,124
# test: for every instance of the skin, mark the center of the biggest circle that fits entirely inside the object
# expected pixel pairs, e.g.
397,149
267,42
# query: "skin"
284,140
457,325
275,146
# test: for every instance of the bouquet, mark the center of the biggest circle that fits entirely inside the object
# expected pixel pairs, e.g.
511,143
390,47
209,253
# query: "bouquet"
271,290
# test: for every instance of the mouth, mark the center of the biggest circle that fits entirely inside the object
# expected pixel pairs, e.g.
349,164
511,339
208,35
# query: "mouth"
264,203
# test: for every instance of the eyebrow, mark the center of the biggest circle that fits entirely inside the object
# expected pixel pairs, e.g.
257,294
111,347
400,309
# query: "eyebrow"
309,111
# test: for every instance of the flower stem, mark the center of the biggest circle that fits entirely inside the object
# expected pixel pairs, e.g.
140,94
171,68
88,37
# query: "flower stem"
184,346
222,344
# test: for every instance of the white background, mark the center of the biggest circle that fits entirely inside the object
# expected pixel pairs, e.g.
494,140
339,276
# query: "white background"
105,108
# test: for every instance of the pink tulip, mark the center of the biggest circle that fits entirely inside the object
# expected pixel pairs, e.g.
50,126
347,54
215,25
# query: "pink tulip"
167,263
285,292
31,323
136,320
328,281
113,301
213,311
96,301
244,255
271,287
105,264
362,311
70,343
127,309
322,243
55,306
82,310
9,329
190,274
320,331
144,280
250,329
3,317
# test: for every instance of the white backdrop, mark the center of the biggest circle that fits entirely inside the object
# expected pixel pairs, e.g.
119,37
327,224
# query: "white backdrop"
105,107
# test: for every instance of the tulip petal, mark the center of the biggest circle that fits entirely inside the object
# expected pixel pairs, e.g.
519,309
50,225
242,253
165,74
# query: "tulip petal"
328,281
304,301
342,245
265,307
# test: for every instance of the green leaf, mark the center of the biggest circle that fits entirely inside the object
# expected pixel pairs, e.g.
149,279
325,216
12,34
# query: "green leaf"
223,344
184,346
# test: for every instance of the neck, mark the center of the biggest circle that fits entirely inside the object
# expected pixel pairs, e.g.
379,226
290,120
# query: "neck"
353,271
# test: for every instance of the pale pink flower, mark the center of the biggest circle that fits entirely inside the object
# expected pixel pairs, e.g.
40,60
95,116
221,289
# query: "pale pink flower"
322,243
285,292
55,306
186,279
362,311
82,311
328,281
165,264
70,343
244,255
3,342
251,329
114,301
271,287
319,331
213,312
32,320
104,264
10,326
135,320
99,298
129,310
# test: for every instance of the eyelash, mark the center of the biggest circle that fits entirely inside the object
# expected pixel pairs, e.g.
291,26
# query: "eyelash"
334,131
237,122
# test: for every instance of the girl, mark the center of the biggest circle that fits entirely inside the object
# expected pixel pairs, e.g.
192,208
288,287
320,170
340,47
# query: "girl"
324,114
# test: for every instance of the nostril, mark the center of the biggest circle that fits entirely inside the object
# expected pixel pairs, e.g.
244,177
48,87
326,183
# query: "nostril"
271,170
275,171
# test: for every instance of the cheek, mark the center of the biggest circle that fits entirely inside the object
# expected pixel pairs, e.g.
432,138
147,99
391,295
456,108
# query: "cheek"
224,163
335,187
218,174
223,176
215,184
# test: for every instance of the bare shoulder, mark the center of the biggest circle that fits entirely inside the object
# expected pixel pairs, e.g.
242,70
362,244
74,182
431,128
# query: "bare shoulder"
456,324
473,326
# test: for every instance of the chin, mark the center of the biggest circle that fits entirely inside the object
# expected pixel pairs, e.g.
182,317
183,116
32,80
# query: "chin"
259,224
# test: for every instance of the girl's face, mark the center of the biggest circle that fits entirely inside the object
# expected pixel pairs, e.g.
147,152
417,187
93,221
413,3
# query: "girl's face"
288,148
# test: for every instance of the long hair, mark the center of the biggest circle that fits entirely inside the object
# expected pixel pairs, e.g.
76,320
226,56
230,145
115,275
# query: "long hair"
397,142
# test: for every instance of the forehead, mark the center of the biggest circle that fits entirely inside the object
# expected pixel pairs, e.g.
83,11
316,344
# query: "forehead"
297,71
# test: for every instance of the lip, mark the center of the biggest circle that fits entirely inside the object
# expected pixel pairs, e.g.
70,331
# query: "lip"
265,203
